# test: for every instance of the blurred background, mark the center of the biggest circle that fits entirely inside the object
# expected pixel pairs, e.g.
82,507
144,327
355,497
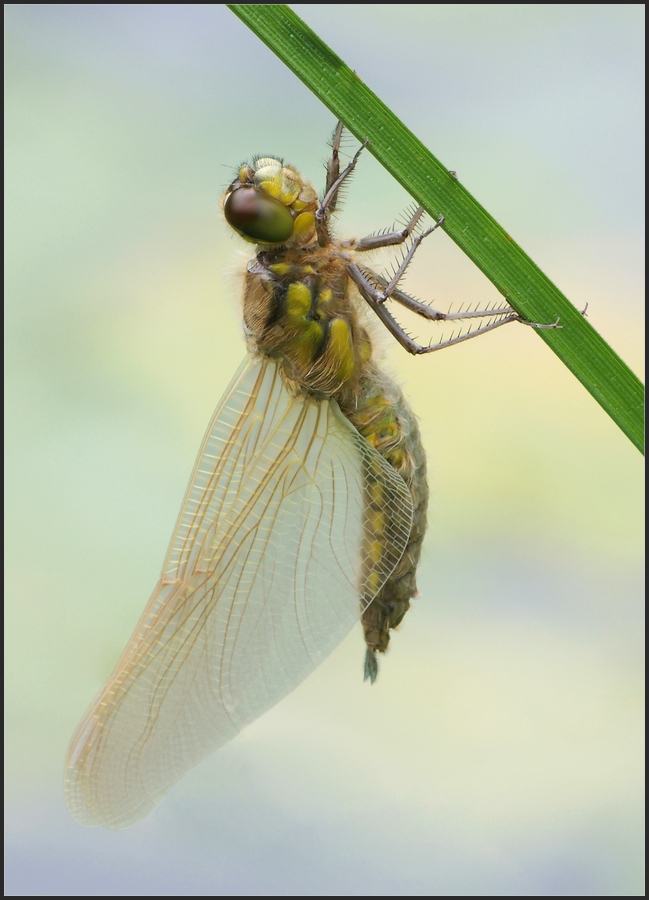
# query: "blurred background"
500,751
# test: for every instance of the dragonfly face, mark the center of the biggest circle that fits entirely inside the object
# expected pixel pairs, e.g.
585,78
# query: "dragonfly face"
269,204
305,512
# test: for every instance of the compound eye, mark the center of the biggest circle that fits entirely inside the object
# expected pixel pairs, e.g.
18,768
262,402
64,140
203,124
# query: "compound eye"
257,216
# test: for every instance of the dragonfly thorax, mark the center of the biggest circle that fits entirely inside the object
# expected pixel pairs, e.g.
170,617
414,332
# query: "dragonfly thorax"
300,308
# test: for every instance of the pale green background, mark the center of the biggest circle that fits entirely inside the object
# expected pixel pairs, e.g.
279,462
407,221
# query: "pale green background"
500,750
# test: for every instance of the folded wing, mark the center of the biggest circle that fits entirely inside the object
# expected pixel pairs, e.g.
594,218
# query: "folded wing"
262,580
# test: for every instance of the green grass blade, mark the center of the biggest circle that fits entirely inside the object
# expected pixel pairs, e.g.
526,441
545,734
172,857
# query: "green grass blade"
506,265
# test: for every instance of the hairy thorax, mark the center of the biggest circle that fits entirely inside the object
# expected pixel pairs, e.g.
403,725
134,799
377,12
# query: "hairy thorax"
299,310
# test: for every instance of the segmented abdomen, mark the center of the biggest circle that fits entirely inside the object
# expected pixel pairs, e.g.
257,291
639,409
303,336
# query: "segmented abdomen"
386,421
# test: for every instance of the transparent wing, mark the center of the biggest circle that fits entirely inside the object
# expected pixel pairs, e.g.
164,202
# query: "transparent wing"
270,555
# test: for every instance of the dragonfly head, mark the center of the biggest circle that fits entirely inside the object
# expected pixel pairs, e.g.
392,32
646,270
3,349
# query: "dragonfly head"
270,204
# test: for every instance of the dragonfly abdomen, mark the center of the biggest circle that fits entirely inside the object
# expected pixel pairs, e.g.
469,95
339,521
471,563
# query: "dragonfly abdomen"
385,420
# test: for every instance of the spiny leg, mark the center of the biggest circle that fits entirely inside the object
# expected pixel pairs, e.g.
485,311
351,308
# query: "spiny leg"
423,309
405,262
328,206
333,165
376,241
390,290
325,209
436,315
374,300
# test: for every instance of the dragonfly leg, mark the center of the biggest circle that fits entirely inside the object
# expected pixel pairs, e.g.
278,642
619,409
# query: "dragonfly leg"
436,315
405,262
374,299
376,241
373,242
333,165
331,195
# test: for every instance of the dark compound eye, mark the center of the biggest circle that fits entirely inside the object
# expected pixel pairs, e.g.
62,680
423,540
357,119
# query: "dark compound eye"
258,216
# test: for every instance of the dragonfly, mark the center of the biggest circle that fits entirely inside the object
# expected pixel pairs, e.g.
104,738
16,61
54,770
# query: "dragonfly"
305,511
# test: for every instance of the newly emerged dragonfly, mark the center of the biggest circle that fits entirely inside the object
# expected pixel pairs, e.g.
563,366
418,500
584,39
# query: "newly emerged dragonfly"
305,511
